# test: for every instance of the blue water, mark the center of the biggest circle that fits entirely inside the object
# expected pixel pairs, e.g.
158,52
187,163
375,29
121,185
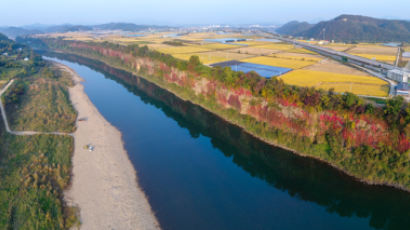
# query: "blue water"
225,40
392,44
200,172
269,40
263,70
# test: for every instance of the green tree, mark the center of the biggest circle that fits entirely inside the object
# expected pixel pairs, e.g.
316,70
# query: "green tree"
392,110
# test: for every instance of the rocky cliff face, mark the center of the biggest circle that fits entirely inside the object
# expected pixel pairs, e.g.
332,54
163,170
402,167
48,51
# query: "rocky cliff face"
356,130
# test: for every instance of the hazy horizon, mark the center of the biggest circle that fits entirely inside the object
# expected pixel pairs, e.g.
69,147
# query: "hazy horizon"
184,12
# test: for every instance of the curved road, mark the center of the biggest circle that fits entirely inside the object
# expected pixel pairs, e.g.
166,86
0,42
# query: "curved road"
21,133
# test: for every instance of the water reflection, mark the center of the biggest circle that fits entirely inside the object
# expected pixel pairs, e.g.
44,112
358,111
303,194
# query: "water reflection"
302,178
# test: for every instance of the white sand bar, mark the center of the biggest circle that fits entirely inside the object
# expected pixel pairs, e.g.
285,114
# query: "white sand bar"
104,183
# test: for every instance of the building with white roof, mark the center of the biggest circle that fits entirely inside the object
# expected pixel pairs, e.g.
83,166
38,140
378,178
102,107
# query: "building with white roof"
398,75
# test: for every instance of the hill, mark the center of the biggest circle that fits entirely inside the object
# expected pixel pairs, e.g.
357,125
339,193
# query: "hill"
122,26
294,27
14,32
350,28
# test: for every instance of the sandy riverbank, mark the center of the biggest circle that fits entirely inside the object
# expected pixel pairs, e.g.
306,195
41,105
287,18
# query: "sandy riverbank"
104,184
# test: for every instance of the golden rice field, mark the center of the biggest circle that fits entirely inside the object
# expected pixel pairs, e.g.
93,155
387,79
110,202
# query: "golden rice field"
361,85
378,57
374,49
252,43
276,46
293,56
301,51
212,57
127,40
252,50
177,49
218,46
338,46
279,62
210,35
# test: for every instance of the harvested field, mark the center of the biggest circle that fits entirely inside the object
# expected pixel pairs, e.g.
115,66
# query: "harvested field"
253,43
213,56
279,62
379,57
177,49
297,56
276,46
129,40
338,46
301,51
254,51
361,85
331,66
211,35
374,49
217,46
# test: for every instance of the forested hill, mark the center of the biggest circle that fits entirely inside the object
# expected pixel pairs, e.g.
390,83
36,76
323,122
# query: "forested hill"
294,27
14,32
3,37
351,28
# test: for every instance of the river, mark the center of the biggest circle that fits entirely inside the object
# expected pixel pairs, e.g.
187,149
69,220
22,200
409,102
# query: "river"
200,172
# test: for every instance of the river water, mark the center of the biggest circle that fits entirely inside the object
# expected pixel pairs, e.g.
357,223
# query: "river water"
200,172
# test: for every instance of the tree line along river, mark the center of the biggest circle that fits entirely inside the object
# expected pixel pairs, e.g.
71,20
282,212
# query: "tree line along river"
200,172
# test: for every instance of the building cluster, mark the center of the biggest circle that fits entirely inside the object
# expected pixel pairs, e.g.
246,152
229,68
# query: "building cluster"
402,76
398,75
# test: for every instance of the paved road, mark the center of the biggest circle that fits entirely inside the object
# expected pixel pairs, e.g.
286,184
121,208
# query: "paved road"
21,133
375,65
375,68
396,63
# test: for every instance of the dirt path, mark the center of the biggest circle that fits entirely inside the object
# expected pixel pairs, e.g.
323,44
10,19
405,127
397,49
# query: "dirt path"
21,133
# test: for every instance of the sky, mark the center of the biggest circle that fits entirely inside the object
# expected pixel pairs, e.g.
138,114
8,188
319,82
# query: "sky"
192,12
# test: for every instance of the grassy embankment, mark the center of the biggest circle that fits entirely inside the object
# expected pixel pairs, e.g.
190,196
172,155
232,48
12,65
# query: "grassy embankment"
43,103
34,170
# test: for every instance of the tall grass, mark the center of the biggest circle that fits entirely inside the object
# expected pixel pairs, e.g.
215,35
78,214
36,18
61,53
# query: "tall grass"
44,104
34,170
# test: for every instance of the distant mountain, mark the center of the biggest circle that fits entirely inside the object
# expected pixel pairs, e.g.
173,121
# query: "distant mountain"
3,37
65,28
294,27
350,28
122,26
14,32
